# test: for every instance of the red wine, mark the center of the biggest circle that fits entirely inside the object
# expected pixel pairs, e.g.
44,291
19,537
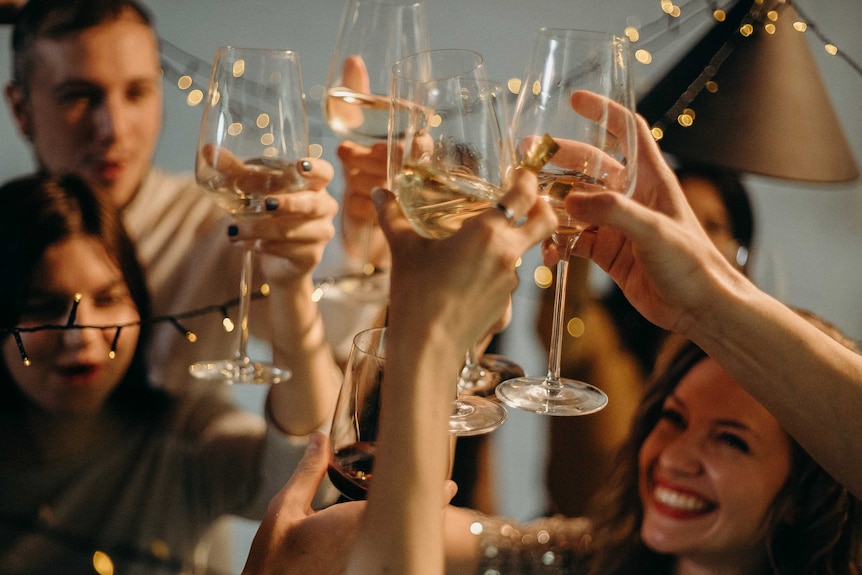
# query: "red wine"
350,469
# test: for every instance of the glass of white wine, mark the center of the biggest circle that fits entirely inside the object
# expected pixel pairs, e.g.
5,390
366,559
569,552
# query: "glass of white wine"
373,35
596,152
449,157
253,132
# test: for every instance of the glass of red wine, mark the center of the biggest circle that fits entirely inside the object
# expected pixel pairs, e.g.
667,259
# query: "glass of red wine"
354,425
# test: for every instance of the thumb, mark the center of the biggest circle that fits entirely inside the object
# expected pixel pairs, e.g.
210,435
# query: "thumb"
302,485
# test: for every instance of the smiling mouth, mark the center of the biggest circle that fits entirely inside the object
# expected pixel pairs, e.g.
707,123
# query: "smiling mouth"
682,503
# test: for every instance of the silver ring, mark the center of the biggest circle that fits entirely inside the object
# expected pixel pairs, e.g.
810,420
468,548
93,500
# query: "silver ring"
509,214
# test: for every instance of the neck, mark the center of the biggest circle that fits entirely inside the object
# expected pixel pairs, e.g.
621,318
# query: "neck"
747,563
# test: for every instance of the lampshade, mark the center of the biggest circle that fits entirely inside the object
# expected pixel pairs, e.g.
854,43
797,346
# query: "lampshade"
754,99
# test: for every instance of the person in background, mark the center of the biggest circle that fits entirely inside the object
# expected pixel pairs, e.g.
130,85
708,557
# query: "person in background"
86,94
100,464
798,385
618,348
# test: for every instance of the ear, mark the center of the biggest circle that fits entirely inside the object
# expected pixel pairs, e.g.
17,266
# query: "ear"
20,109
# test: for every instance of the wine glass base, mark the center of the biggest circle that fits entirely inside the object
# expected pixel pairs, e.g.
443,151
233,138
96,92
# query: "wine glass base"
233,371
476,416
569,397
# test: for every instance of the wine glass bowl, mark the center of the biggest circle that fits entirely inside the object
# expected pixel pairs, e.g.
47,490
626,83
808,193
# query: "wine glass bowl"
372,36
578,89
449,151
354,425
254,130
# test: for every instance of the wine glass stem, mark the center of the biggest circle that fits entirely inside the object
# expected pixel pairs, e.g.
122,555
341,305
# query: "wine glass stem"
245,303
472,372
565,249
365,248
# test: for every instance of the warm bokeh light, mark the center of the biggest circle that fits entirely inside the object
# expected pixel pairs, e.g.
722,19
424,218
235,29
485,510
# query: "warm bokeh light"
643,56
543,276
719,15
435,120
102,563
262,120
746,30
184,82
514,85
315,150
228,324
238,68
831,49
195,97
575,327
235,129
657,133
632,33
711,86
769,28
800,26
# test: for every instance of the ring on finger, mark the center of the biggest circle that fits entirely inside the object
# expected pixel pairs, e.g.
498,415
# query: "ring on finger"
507,213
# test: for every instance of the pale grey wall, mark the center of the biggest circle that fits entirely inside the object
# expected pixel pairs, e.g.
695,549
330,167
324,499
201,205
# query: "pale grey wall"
812,234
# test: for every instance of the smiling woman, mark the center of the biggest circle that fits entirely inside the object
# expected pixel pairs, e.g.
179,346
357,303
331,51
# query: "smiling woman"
707,482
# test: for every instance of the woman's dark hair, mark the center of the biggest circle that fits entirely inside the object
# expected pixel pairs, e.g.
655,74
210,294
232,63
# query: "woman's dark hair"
812,526
40,211
734,196
58,18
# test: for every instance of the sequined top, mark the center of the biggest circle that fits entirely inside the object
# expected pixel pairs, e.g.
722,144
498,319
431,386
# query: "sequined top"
549,546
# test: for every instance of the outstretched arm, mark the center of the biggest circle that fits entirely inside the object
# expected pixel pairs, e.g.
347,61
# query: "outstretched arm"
655,250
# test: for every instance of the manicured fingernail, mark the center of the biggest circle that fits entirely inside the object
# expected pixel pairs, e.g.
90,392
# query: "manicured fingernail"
233,230
306,166
271,204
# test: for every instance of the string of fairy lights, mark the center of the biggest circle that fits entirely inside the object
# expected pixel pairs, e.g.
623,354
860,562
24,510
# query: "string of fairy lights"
191,74
175,320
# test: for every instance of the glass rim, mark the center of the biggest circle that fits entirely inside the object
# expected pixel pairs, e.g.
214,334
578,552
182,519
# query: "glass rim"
479,62
361,345
586,34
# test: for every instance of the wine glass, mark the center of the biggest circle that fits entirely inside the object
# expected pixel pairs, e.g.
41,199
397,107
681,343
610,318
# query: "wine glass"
354,424
593,155
373,35
449,156
253,131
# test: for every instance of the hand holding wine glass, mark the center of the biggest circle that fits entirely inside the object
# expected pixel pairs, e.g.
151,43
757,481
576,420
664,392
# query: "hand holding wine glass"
450,157
372,36
597,152
253,132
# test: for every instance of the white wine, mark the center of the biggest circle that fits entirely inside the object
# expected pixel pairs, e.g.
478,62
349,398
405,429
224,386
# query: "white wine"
438,203
555,184
242,191
358,117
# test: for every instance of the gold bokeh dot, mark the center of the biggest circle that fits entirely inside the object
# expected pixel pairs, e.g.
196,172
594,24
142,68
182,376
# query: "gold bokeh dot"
632,33
543,276
195,97
746,29
265,290
800,26
770,28
657,133
514,85
575,327
262,120
719,15
435,120
267,139
159,548
270,152
643,56
537,88
102,563
711,86
184,82
831,49
315,150
238,68
235,129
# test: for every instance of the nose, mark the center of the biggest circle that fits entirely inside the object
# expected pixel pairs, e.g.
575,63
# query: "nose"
682,454
110,119
77,337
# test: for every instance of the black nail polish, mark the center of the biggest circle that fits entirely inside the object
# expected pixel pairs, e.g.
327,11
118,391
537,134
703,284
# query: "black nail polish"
306,166
233,230
271,204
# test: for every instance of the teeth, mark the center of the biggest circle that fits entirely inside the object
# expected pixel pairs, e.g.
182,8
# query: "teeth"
679,500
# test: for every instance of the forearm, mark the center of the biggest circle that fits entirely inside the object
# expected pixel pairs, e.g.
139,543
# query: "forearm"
305,401
810,382
402,531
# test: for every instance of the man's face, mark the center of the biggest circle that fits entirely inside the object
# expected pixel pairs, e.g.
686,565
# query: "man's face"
94,105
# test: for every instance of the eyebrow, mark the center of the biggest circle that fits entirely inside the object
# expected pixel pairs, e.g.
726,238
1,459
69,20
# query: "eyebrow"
732,423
